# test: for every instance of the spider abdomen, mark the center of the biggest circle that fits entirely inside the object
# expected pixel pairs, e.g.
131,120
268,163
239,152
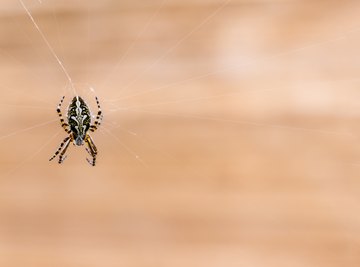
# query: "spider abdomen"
79,119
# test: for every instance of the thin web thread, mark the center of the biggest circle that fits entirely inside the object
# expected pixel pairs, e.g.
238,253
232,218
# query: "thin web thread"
133,43
49,47
178,43
129,150
235,68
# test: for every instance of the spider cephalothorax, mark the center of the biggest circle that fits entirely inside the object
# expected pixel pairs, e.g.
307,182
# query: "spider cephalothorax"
77,126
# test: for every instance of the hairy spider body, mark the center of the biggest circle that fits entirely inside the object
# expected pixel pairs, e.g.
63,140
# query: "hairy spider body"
77,126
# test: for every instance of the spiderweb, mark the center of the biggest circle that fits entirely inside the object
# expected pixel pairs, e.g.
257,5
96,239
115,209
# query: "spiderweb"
227,108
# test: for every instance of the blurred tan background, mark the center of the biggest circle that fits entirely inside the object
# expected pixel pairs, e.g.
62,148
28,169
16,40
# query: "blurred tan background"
230,134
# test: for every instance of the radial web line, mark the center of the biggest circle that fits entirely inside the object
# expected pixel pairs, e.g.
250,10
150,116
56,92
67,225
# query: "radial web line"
190,99
257,124
148,23
117,139
235,68
49,47
142,139
27,129
184,38
33,155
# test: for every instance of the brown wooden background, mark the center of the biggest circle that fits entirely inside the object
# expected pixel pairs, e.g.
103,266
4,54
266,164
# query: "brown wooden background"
230,135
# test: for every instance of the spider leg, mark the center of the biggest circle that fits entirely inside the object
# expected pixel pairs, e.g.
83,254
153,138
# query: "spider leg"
66,141
62,121
99,117
61,156
92,150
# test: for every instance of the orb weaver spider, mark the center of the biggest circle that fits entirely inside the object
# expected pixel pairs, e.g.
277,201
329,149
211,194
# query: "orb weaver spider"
79,122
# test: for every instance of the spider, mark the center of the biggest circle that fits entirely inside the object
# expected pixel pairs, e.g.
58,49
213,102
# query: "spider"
79,122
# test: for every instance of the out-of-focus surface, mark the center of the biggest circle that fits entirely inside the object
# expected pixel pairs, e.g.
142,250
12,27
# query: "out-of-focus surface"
230,135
